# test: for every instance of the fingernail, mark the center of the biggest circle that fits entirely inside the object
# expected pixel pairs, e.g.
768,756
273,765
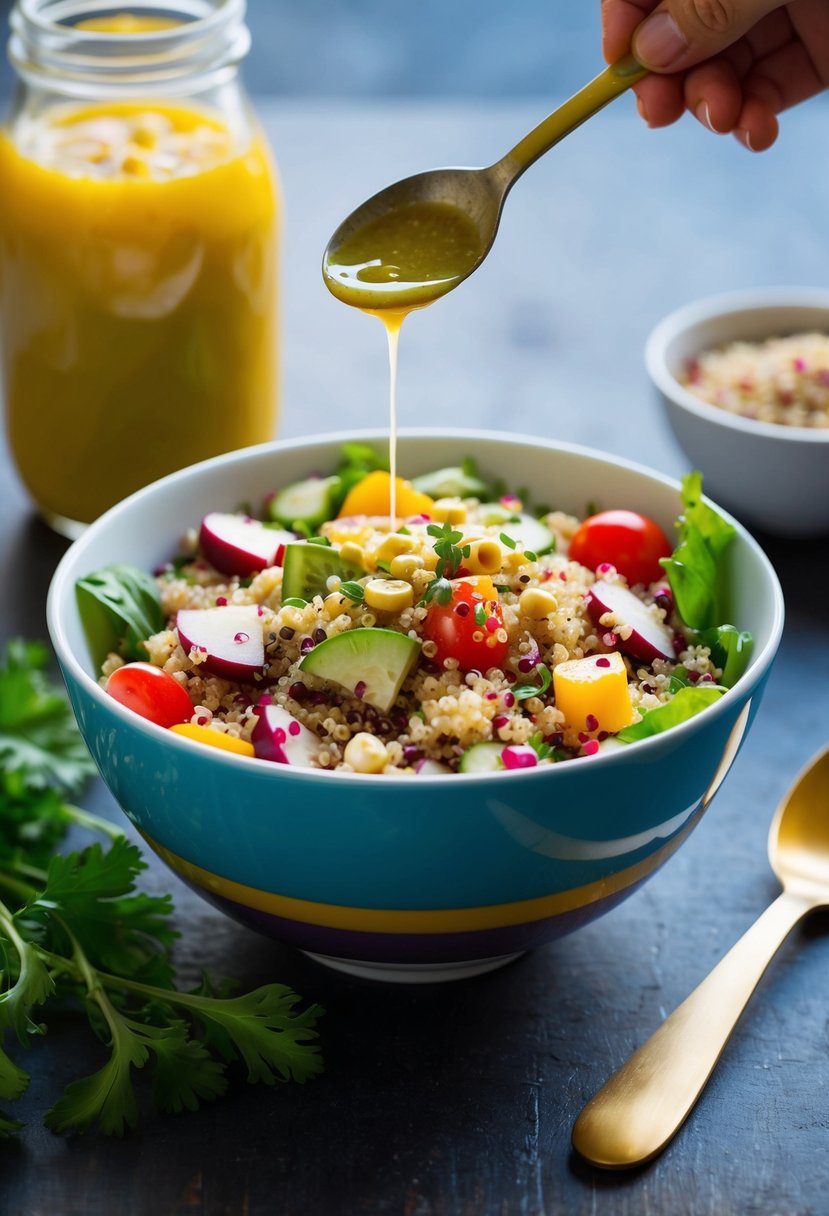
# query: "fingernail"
659,42
745,139
640,106
703,113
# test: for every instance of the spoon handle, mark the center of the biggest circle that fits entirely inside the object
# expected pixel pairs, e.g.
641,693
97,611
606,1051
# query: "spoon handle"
582,105
641,1107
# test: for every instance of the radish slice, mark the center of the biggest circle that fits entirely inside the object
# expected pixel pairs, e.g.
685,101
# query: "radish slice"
649,638
432,768
237,544
230,637
278,736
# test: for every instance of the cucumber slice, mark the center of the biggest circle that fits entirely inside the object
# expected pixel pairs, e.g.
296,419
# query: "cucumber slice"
527,531
483,758
306,569
307,503
376,659
450,483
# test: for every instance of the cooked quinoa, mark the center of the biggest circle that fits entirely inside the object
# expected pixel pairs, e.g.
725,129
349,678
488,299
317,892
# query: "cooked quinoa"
781,380
441,710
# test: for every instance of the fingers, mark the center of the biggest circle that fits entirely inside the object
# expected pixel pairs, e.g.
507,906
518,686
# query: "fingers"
660,100
619,19
713,94
681,33
757,125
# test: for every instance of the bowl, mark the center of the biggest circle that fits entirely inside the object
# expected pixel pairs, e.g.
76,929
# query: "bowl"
420,877
770,476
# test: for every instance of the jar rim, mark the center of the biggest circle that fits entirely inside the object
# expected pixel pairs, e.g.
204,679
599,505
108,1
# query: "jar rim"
204,49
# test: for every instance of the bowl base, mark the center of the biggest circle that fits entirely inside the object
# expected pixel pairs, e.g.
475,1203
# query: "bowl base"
413,973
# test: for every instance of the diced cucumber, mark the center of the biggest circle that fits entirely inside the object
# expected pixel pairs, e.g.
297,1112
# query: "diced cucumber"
528,532
369,663
307,503
306,569
453,482
482,758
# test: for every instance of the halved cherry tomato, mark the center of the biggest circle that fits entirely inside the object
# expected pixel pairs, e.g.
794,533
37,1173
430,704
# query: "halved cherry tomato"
629,541
461,628
150,692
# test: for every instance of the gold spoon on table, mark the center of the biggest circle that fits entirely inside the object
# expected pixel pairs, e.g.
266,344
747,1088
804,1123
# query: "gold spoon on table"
419,238
637,1112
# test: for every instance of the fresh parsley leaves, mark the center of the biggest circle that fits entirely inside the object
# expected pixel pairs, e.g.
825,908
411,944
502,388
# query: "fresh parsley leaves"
76,927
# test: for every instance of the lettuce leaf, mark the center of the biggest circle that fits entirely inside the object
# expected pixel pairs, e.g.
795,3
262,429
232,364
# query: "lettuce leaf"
696,573
119,607
685,704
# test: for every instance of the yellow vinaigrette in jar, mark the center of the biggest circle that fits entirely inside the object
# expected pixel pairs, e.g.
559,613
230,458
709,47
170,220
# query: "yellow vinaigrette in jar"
138,253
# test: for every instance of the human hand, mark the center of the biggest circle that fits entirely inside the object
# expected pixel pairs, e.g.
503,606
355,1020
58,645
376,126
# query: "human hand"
733,64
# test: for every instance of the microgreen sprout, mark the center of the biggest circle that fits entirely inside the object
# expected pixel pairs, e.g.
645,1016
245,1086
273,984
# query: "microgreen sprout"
450,556
353,591
523,691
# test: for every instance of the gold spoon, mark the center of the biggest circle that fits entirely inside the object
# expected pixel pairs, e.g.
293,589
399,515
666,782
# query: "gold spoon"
443,222
642,1106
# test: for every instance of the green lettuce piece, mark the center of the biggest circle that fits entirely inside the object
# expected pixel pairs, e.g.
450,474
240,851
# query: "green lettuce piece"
119,607
730,649
685,704
694,568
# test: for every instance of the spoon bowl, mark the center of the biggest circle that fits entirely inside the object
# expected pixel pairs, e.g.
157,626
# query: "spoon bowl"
639,1110
419,238
799,833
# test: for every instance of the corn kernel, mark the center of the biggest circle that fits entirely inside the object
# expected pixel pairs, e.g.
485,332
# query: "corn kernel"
449,510
389,594
393,546
485,557
596,687
365,753
352,552
515,559
405,565
537,603
333,605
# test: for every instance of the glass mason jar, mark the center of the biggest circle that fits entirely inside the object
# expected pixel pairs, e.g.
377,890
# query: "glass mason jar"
138,247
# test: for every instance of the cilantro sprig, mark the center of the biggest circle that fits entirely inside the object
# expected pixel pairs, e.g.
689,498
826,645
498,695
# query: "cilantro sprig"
76,927
450,557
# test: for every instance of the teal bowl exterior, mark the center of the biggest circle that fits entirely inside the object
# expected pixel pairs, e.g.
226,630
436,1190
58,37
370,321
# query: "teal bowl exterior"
436,875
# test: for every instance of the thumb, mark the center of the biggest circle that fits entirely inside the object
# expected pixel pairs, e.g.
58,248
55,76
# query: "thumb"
680,33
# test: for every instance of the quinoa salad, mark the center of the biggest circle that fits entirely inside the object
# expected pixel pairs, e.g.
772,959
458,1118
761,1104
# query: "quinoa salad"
781,380
467,631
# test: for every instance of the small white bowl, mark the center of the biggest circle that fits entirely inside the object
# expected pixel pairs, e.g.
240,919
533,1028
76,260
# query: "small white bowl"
771,476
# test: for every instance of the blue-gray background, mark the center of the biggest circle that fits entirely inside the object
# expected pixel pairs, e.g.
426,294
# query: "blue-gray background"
434,48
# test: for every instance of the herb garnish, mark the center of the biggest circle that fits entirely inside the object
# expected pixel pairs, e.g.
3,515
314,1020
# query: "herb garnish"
522,692
73,927
450,557
354,591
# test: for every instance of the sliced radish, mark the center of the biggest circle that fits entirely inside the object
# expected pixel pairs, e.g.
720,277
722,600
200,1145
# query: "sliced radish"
649,638
432,768
231,639
278,736
237,544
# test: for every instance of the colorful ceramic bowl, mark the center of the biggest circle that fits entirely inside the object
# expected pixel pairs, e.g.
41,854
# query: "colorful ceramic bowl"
426,877
771,476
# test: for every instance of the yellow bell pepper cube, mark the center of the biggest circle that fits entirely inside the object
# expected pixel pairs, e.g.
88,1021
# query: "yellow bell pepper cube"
372,496
214,738
592,693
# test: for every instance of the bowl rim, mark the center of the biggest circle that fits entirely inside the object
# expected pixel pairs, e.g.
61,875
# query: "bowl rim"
695,313
61,591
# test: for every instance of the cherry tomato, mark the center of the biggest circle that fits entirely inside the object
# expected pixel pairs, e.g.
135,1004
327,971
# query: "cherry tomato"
629,541
461,628
150,692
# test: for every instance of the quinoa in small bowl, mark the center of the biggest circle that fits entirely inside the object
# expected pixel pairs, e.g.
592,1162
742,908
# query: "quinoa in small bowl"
744,382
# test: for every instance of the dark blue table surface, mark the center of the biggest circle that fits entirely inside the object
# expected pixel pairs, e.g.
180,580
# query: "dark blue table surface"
460,1099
